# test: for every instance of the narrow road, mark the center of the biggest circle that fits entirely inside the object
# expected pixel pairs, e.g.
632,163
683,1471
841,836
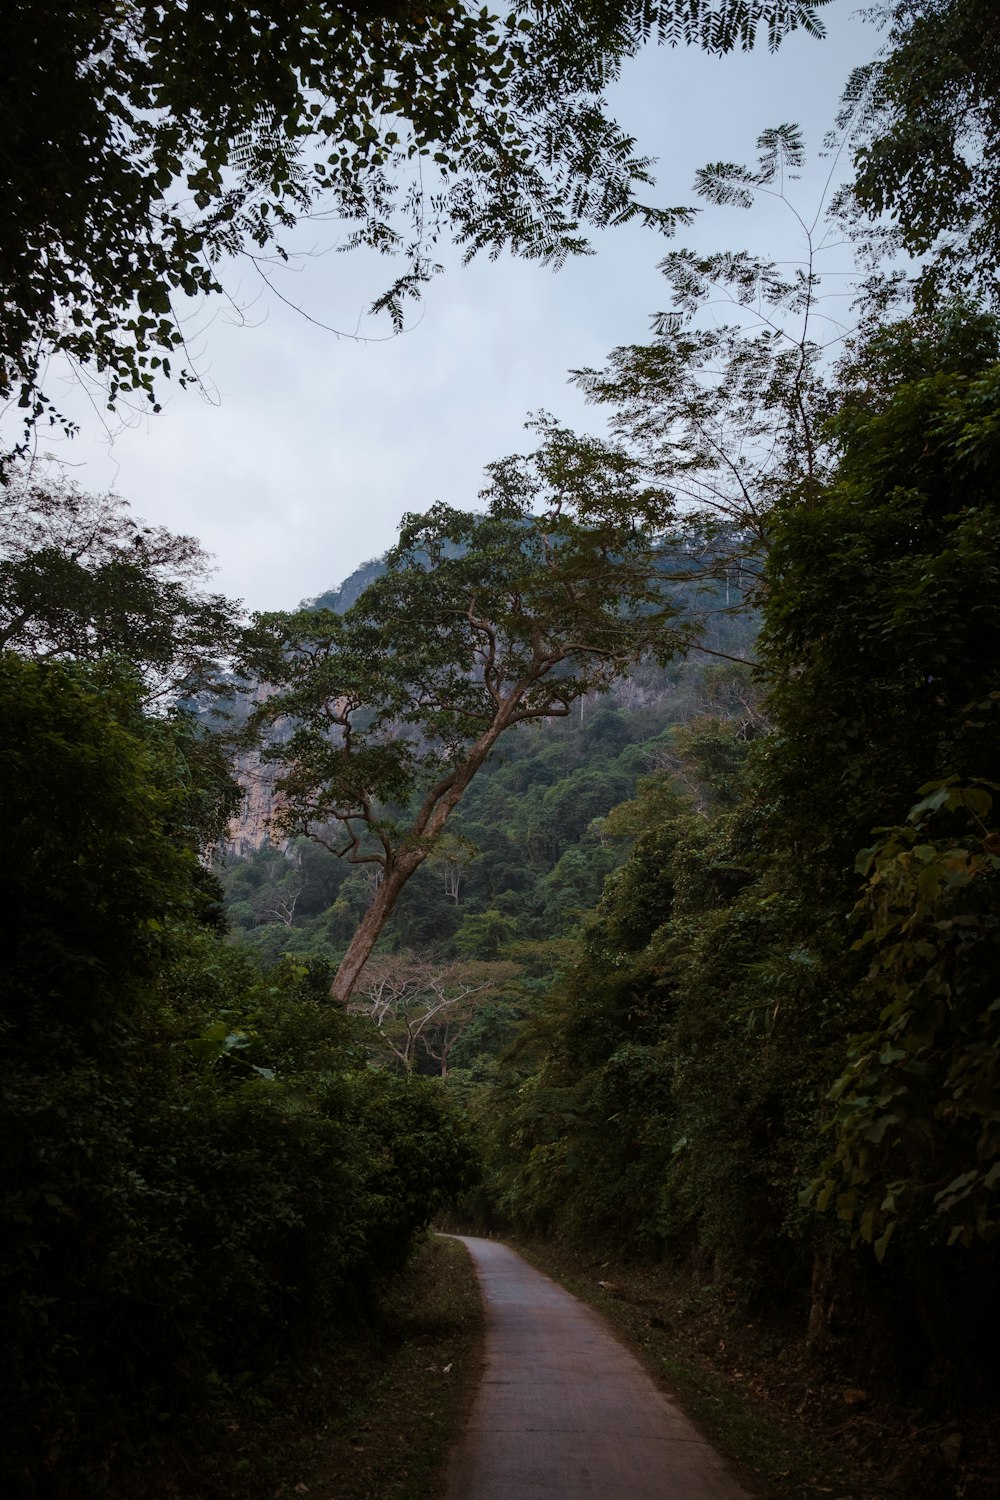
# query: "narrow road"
564,1412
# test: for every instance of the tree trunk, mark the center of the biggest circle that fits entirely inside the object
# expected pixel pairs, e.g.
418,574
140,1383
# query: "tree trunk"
437,810
817,1333
368,933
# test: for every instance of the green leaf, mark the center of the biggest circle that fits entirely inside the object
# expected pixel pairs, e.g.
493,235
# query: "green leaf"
882,1243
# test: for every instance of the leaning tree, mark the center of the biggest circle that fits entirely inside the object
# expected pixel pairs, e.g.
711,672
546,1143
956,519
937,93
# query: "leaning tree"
378,719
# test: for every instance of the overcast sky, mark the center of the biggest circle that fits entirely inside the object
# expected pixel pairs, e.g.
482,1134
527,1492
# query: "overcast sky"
299,458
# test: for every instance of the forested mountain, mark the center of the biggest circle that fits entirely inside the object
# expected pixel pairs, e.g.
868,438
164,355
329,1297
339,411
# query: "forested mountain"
524,843
527,842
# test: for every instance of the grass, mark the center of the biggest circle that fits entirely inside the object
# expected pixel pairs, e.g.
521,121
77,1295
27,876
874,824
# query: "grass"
370,1417
390,1436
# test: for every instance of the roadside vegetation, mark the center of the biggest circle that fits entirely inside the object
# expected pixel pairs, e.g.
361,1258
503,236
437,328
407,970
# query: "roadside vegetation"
787,1424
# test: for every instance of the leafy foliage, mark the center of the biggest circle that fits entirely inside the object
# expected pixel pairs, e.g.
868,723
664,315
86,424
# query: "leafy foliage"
725,412
926,163
82,772
199,1171
150,144
916,1106
888,584
480,623
81,580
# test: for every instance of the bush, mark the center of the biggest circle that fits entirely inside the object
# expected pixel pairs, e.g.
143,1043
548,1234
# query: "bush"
200,1172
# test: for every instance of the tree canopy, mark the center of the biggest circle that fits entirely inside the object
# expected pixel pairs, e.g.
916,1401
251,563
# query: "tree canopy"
724,411
81,579
480,623
928,155
147,143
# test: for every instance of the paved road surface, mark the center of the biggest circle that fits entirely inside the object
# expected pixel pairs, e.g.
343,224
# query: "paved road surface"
564,1412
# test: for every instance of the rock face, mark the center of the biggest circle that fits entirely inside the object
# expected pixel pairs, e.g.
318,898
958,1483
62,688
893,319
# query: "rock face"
249,830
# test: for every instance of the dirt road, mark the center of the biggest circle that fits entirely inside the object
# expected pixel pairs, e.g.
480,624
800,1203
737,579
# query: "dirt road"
564,1412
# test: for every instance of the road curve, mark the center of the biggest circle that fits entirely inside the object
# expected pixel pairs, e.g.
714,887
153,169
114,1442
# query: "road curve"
564,1412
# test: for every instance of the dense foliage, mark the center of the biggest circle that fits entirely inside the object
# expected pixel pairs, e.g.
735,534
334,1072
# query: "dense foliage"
81,579
383,716
736,1046
199,1171
926,157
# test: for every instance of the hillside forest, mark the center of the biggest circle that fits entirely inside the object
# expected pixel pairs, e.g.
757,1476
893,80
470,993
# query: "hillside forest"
612,865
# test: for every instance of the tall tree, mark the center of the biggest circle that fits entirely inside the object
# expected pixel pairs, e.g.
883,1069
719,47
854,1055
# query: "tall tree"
481,623
146,143
928,155
725,408
81,579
